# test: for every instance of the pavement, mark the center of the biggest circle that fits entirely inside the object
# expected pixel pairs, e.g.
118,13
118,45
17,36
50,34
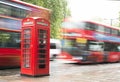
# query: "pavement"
59,72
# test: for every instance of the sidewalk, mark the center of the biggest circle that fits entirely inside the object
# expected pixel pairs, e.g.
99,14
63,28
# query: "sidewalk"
69,73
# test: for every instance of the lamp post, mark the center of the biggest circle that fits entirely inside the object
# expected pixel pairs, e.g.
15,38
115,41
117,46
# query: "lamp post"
111,21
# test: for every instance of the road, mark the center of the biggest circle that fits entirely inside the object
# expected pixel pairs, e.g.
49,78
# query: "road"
59,72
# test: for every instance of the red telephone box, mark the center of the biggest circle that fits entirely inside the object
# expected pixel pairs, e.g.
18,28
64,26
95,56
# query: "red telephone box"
35,42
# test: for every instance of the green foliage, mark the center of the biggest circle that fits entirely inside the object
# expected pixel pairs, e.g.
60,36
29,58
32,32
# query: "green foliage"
59,11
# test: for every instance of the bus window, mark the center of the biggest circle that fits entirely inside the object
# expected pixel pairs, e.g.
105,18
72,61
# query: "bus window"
9,39
100,29
111,47
13,11
108,30
114,32
90,26
96,46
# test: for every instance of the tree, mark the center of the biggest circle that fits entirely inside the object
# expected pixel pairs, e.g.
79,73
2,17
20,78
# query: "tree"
59,12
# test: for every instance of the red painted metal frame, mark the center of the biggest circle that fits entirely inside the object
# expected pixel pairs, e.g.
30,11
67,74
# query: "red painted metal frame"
35,24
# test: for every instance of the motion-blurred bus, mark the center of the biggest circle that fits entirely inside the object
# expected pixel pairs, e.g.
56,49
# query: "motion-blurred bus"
11,14
89,42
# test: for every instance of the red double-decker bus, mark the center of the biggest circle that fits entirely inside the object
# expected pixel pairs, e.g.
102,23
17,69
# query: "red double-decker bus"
89,42
11,14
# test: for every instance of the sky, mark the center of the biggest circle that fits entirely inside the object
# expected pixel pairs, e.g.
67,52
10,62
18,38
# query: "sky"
88,9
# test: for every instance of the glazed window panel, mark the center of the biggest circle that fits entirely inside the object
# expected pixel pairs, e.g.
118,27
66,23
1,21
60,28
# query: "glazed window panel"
9,39
108,30
115,32
90,26
100,29
13,11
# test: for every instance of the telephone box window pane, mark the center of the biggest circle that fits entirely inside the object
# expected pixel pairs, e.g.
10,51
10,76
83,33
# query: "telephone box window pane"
42,31
26,51
27,31
42,34
26,65
26,35
26,60
41,61
42,66
26,46
42,51
42,41
42,46
42,56
26,41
